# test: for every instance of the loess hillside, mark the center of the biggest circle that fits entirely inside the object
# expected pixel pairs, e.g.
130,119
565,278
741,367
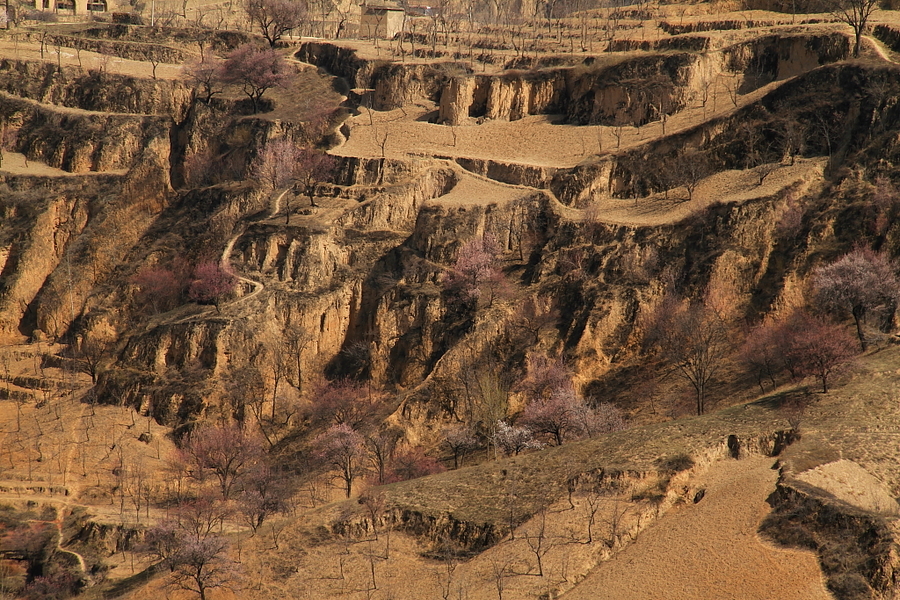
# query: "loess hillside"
480,219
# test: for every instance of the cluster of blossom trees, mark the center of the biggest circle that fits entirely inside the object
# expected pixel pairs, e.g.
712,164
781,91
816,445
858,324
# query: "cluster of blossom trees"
804,344
283,163
354,445
476,278
162,288
697,338
554,411
235,479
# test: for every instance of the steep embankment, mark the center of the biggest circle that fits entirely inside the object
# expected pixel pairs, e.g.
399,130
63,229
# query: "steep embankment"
619,89
368,296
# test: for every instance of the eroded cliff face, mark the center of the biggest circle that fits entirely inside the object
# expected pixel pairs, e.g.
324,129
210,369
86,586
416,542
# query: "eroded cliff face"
367,281
94,91
858,548
366,276
632,91
79,141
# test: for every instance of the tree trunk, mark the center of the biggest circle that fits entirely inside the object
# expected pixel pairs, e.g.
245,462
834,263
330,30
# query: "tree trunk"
274,396
700,399
858,313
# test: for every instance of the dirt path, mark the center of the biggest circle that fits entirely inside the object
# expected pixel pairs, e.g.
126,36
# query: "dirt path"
711,549
225,260
477,190
879,48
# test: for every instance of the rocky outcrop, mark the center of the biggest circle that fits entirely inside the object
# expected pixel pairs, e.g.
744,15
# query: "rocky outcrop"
123,49
636,90
888,35
775,57
515,174
81,141
316,277
445,532
93,223
397,85
216,40
693,43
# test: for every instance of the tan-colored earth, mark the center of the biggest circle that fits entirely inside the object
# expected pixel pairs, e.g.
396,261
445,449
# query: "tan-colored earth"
848,482
711,549
708,550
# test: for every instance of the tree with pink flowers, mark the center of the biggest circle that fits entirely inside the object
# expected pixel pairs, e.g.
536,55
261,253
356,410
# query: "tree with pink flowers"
341,449
476,277
211,284
860,282
255,71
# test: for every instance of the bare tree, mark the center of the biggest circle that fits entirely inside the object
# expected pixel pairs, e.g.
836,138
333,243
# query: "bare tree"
341,448
227,452
593,501
296,339
692,167
693,337
381,446
274,18
537,540
854,13
500,571
266,491
92,351
374,503
205,74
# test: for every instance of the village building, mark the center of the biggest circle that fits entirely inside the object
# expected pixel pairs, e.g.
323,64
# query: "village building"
383,20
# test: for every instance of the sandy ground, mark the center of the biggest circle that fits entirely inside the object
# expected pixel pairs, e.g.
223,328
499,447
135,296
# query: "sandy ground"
535,140
850,483
711,549
723,187
474,189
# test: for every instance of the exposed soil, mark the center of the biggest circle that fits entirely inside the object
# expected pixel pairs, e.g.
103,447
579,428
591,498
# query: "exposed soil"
711,549
708,549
